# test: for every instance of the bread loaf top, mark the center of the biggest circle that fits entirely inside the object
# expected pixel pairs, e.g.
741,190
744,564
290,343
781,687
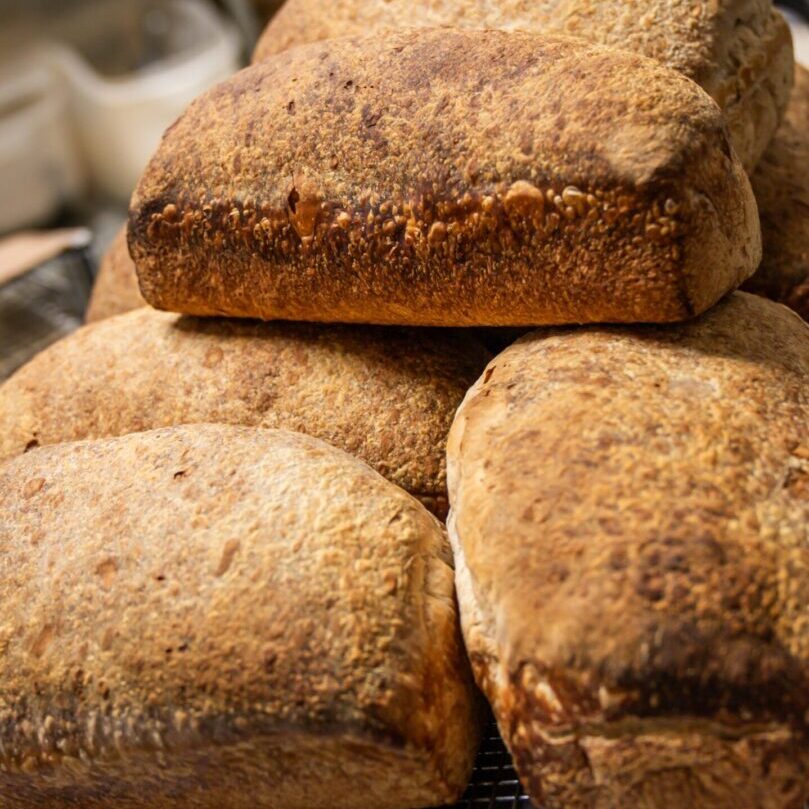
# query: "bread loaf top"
441,177
632,507
204,587
387,396
116,286
781,186
739,51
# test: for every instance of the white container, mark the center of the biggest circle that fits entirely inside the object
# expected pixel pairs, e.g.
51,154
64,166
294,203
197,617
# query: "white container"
120,110
39,168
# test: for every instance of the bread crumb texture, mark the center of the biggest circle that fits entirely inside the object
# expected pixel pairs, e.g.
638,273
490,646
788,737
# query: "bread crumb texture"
212,616
629,512
441,177
739,51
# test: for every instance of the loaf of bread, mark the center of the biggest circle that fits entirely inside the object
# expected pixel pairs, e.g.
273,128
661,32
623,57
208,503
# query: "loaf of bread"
210,616
629,513
116,286
387,396
740,51
781,186
442,177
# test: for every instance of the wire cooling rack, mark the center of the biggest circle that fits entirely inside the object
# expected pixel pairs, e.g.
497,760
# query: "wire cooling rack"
494,783
41,306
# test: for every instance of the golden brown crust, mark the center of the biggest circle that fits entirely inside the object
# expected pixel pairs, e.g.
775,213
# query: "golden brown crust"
740,51
781,186
116,286
629,515
534,188
387,396
188,615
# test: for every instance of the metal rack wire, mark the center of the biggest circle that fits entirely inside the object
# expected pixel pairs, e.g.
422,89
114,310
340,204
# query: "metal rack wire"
494,783
41,306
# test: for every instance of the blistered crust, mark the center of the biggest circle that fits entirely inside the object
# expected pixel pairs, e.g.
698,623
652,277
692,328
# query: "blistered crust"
387,396
532,190
781,186
739,51
207,607
629,512
115,290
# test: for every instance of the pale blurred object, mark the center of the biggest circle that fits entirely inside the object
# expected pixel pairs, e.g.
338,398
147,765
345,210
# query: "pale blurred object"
39,168
124,70
28,249
800,34
120,110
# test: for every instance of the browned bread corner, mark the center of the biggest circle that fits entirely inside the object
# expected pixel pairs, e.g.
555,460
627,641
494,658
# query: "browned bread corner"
116,286
387,396
441,177
630,517
739,51
208,616
781,186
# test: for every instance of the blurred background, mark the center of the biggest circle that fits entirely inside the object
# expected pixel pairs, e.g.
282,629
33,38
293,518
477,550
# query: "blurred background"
86,89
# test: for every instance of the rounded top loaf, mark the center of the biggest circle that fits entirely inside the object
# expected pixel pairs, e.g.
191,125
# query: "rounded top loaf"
440,177
739,51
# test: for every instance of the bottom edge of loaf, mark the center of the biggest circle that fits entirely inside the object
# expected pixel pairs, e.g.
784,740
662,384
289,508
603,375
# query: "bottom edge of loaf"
638,762
287,770
652,764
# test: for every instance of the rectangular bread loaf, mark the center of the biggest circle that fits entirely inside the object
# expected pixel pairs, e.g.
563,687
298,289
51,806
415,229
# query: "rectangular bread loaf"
446,178
387,396
116,286
210,616
630,518
739,51
781,186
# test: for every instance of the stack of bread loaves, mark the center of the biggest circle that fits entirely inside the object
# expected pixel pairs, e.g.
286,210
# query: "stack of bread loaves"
222,585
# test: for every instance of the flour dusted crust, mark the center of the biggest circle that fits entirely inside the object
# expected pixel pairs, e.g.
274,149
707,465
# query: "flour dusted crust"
387,396
629,513
781,186
214,617
116,286
740,51
440,177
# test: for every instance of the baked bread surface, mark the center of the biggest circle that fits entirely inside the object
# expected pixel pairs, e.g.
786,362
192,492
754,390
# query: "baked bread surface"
211,616
739,51
781,186
387,396
629,513
441,177
115,290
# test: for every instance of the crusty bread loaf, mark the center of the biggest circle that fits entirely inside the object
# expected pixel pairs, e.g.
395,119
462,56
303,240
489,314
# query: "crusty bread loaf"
215,617
441,177
116,286
387,396
629,512
781,186
740,51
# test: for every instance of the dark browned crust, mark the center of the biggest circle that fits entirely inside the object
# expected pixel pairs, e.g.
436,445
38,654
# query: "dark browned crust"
739,51
781,186
564,183
629,513
211,616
